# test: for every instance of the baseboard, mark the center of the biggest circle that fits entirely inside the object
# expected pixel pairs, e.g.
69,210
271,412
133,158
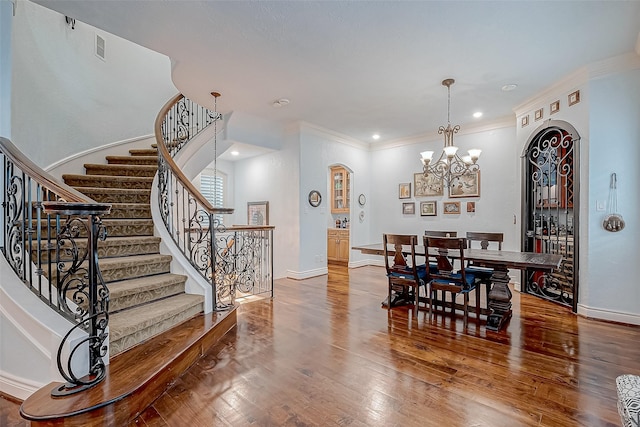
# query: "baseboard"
366,262
300,275
608,315
20,388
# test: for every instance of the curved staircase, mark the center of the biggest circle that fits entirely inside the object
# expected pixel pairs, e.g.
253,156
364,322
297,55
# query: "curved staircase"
145,297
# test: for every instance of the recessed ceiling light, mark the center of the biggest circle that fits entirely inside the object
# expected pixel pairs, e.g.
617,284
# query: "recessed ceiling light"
235,153
281,102
375,136
509,87
477,114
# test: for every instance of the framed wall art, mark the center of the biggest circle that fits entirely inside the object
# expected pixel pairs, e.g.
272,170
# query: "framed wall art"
554,107
408,208
574,98
429,208
467,185
258,213
315,198
404,190
524,121
427,186
451,208
471,207
538,114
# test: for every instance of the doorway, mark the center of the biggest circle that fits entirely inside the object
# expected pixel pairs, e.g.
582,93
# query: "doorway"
550,207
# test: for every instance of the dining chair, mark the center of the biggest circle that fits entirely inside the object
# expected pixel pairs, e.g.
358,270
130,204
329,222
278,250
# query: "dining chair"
403,273
483,273
445,279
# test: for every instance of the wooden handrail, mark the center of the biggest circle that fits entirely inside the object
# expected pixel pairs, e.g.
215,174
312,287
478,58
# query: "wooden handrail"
164,152
38,174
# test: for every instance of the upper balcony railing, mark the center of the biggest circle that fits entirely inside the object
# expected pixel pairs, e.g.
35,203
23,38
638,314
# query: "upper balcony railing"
49,238
236,261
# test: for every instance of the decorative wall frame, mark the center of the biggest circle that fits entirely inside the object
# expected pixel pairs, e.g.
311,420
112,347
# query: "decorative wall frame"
404,190
574,98
471,207
554,107
408,208
524,121
427,186
467,185
429,208
258,213
315,198
539,113
451,208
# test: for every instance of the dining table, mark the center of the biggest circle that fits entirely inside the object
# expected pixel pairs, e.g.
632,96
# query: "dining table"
500,261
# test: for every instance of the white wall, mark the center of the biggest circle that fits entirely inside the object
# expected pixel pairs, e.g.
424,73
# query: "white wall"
612,286
65,99
6,21
318,151
495,208
274,177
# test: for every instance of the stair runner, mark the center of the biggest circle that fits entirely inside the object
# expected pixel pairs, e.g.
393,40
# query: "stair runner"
145,297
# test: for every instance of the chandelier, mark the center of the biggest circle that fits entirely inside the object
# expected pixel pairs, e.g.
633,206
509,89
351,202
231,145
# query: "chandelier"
449,165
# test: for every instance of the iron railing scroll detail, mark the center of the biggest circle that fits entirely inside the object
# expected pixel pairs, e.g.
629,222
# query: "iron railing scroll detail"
49,239
194,224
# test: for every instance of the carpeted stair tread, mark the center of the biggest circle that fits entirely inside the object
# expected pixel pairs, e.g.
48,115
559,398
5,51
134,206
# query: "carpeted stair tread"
129,210
114,247
125,294
130,327
116,195
132,160
127,267
140,284
121,170
108,181
143,152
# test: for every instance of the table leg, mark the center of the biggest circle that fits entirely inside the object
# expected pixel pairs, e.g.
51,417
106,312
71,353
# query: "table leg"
499,300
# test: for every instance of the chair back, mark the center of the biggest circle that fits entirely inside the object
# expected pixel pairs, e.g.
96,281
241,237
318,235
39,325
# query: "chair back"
446,249
430,233
394,258
485,239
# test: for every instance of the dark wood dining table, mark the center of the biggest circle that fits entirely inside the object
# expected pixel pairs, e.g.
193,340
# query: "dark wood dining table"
499,302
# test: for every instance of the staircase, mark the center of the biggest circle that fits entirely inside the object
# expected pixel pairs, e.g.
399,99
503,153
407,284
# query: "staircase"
145,297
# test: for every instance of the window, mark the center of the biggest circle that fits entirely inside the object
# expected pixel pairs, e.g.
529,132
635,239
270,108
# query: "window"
212,188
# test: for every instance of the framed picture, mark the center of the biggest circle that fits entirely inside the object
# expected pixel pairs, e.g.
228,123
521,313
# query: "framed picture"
524,121
427,186
408,208
471,206
467,185
574,97
404,190
429,208
451,208
315,198
538,114
258,213
554,107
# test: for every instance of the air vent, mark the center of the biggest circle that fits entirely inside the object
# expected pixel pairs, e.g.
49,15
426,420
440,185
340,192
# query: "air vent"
100,47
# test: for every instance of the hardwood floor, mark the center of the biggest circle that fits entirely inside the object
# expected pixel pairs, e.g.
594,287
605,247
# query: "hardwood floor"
324,353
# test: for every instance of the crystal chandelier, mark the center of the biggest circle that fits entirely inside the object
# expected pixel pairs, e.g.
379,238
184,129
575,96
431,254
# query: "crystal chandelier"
449,165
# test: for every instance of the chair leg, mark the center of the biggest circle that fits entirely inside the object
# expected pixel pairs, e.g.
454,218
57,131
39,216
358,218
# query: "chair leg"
466,309
389,298
477,292
431,301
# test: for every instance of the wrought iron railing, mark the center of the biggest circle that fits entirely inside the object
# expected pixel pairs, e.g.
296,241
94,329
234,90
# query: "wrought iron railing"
230,260
49,238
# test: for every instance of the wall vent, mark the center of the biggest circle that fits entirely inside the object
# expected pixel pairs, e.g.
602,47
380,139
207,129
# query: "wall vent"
100,47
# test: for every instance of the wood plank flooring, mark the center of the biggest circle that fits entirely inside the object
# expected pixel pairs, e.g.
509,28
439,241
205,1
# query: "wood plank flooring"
324,353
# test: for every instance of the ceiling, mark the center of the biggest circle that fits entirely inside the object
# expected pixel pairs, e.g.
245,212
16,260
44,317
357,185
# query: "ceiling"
364,67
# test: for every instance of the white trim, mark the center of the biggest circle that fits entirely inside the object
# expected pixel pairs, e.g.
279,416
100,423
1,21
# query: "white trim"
300,275
335,136
20,388
366,262
500,123
613,316
95,150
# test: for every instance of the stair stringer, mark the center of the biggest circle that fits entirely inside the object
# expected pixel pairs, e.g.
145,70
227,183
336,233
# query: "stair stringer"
34,332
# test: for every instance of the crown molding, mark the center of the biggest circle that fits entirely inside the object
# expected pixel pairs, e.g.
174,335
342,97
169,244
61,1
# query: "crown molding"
581,77
335,136
500,123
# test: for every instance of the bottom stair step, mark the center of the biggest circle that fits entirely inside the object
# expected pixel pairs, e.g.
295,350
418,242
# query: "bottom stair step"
130,327
134,379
